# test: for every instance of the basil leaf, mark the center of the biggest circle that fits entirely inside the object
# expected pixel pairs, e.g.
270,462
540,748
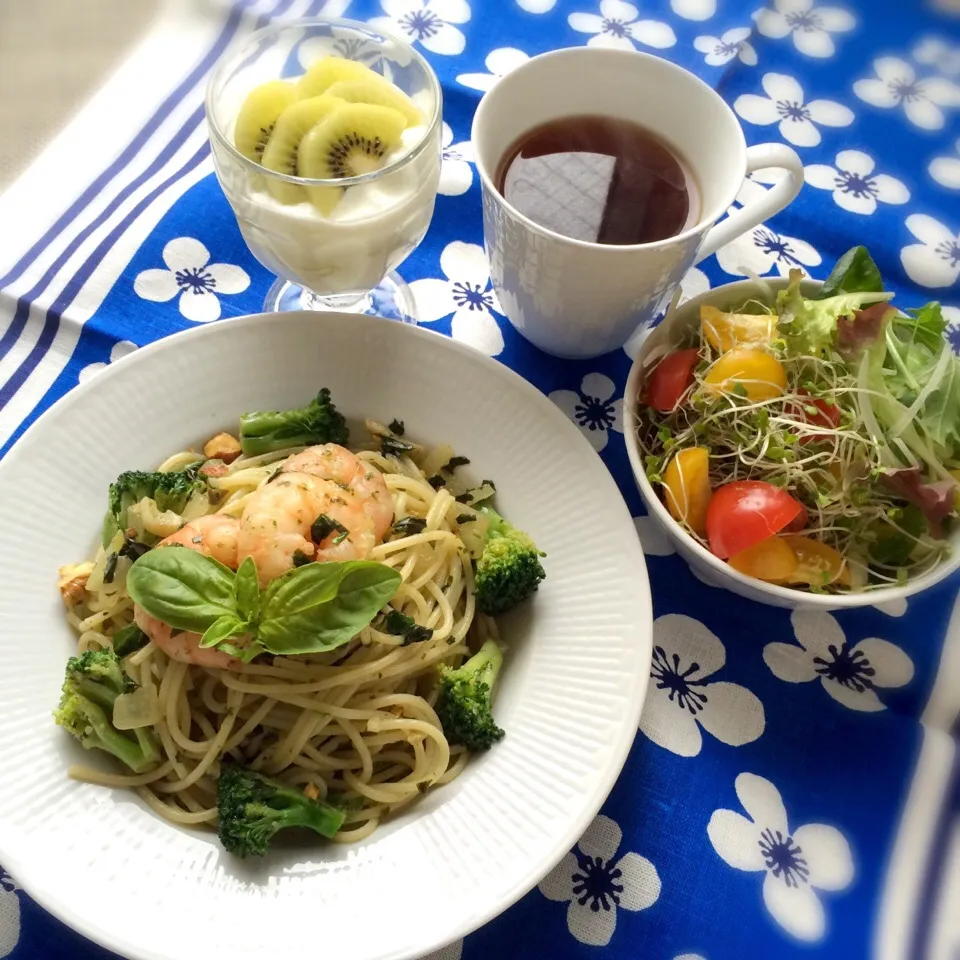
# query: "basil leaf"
400,625
855,272
128,640
394,447
250,652
247,590
323,526
408,526
223,629
182,588
300,588
323,605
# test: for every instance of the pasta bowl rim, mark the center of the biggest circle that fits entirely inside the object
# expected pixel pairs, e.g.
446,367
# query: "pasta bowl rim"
718,572
50,827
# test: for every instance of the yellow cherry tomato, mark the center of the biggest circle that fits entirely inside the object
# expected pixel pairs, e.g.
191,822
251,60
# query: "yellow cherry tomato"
771,559
724,331
759,373
687,484
817,563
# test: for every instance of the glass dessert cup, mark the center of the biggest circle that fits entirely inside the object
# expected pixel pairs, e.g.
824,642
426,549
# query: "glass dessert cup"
344,258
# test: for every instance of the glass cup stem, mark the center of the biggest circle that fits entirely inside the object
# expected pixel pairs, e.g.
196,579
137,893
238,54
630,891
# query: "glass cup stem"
391,298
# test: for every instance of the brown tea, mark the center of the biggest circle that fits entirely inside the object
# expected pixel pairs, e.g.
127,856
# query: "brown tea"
599,179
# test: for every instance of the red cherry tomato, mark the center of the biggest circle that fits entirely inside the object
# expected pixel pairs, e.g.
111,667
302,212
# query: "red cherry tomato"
799,522
827,415
671,378
745,512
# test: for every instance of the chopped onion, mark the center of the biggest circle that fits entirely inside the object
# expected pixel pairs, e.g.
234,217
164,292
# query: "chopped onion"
146,516
197,506
473,532
139,708
437,458
95,580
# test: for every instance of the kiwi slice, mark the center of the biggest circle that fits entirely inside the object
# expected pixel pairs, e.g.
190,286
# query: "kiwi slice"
350,142
258,115
378,91
281,151
326,72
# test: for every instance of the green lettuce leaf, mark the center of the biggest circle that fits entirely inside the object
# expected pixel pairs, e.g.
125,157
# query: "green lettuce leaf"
809,327
921,371
855,272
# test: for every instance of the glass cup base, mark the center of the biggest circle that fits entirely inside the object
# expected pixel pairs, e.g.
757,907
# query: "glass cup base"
391,299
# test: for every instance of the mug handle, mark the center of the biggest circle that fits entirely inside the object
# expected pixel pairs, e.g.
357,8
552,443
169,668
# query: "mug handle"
773,201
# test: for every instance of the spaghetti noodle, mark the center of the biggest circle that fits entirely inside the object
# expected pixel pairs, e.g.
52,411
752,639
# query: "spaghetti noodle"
356,723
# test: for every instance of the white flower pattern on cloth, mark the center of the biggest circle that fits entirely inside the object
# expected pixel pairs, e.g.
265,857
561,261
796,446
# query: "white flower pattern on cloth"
694,282
190,274
850,674
499,63
946,170
456,174
795,863
119,350
596,883
654,541
809,26
593,409
935,261
786,105
9,914
617,27
937,53
466,293
952,316
721,50
897,84
537,6
854,184
681,698
898,607
694,9
761,250
431,23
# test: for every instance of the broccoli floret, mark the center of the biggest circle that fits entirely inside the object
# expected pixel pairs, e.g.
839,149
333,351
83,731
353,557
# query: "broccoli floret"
170,491
463,704
509,568
318,422
252,808
93,682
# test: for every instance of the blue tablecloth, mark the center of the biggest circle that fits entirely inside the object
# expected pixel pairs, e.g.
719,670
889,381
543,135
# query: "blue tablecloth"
794,789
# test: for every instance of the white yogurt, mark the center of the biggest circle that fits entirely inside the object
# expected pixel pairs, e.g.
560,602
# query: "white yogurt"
373,228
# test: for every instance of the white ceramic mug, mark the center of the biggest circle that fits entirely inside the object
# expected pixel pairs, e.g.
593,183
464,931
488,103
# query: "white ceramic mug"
577,299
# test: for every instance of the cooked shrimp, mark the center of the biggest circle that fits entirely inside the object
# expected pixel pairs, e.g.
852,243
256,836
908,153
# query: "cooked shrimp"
338,465
214,535
276,523
182,645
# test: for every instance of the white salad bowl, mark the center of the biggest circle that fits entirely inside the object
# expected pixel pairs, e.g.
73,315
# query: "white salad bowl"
704,564
572,686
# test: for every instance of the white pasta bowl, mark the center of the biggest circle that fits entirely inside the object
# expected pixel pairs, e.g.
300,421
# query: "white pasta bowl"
704,564
572,689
